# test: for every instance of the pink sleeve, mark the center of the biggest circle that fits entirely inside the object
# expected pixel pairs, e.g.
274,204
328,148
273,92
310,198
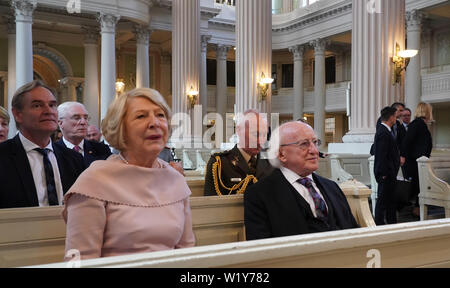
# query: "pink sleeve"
86,219
188,237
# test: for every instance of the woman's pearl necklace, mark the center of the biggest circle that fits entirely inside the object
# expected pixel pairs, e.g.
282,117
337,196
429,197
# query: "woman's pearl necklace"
126,161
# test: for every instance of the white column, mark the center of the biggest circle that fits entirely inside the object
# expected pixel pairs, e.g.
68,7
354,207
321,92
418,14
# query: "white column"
11,73
288,6
108,61
377,27
91,75
253,53
413,78
142,58
203,75
299,90
185,61
24,41
319,87
221,84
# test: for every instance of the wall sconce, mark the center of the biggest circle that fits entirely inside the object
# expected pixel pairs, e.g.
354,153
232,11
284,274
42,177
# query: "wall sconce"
192,97
264,86
120,86
401,60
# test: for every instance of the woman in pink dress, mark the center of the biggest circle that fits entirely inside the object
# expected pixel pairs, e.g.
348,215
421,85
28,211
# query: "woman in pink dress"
132,202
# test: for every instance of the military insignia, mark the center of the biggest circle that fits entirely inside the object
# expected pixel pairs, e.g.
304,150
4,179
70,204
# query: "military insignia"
236,180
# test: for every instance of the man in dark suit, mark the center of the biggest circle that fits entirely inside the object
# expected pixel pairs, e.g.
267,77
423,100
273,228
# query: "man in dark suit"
293,199
34,171
233,171
73,122
387,164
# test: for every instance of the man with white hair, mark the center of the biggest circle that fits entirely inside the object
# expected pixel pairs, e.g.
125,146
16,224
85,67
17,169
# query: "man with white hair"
293,199
231,172
73,120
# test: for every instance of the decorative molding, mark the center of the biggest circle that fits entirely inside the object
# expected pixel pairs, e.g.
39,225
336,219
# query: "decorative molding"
222,51
319,45
414,20
143,34
91,34
57,58
204,42
298,51
108,22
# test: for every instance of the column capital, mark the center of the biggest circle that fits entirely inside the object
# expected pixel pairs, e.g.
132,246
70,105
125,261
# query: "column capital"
222,51
319,45
23,10
298,51
204,42
90,34
414,20
143,34
108,22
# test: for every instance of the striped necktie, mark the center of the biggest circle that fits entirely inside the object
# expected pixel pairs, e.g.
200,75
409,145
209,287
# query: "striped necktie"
49,178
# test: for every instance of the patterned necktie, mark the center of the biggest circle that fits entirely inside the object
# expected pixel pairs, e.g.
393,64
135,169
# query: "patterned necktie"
76,148
319,203
49,178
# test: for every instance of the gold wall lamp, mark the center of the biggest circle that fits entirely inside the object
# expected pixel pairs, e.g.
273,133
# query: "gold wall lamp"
192,97
120,86
263,85
400,61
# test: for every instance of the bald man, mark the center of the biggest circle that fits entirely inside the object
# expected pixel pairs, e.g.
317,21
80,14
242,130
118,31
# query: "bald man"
293,199
232,172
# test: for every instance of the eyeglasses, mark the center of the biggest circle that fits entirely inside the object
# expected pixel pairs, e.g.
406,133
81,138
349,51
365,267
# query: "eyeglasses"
77,118
304,144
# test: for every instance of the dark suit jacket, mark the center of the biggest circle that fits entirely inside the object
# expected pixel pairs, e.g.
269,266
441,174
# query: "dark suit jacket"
273,208
234,167
92,151
401,134
387,156
17,184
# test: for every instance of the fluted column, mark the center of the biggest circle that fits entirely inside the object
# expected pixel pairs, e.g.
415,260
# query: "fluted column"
203,75
142,61
299,90
185,62
24,40
253,53
288,6
319,87
221,84
11,73
413,78
377,27
108,63
91,83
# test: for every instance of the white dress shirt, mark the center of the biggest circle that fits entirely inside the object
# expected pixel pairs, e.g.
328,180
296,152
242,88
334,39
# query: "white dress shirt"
36,160
70,145
292,178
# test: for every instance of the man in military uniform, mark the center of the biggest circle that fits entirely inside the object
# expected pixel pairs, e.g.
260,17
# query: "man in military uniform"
231,172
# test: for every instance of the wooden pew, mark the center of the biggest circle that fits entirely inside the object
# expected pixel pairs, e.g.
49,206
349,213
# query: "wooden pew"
37,235
434,176
416,244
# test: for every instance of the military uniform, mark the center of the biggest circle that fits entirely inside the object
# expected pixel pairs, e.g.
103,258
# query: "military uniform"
228,173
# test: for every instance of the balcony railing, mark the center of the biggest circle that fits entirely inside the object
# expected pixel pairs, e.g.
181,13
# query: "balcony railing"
227,2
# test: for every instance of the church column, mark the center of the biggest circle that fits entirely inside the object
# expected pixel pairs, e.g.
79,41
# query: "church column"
91,83
319,87
203,78
413,78
299,90
108,61
288,6
24,40
221,85
142,59
377,27
185,63
253,53
11,73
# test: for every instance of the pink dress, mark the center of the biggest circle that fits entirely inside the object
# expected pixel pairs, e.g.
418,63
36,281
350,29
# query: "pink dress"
115,209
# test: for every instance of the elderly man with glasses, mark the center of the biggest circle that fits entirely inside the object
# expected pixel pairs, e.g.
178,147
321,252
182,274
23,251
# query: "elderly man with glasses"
293,199
73,120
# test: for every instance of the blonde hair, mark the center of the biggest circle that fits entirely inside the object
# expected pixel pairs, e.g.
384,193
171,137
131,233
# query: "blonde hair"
4,114
424,110
113,124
